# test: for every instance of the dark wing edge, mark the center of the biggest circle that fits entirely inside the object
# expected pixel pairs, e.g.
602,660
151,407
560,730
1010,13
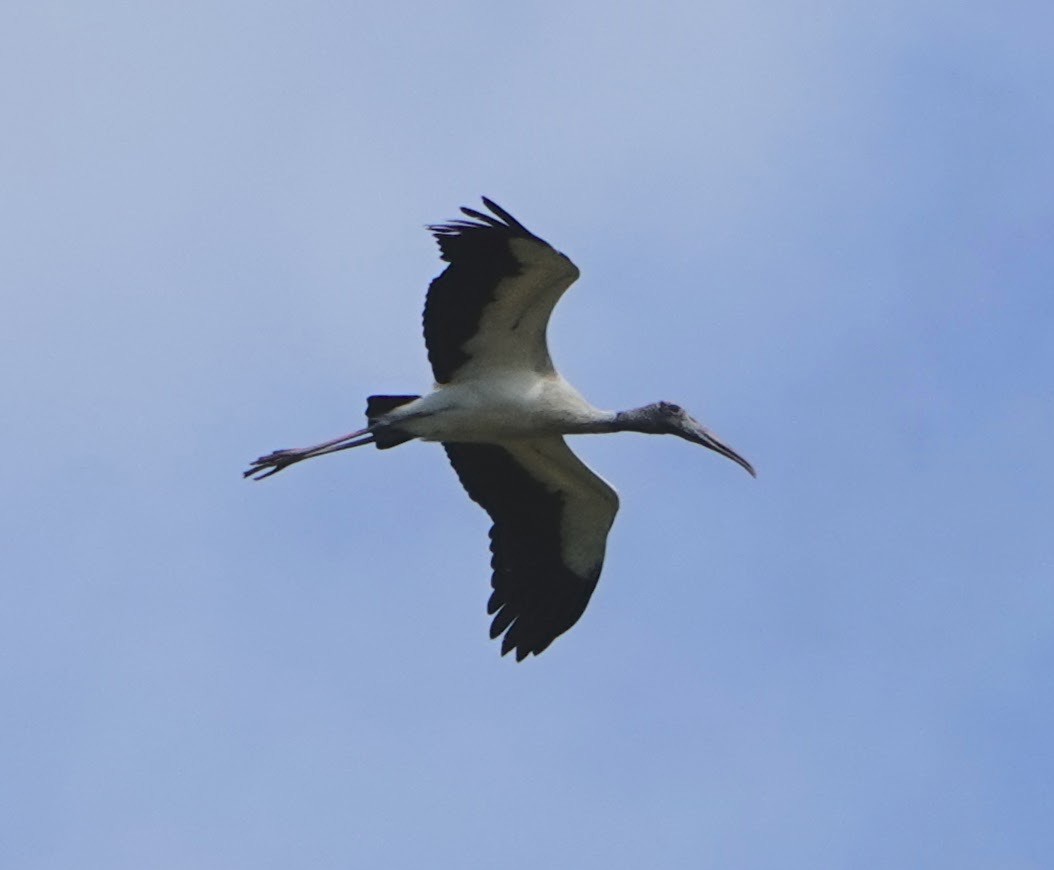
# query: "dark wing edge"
450,234
525,489
480,257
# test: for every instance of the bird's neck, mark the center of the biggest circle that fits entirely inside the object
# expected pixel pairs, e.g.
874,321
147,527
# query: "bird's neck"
596,422
636,420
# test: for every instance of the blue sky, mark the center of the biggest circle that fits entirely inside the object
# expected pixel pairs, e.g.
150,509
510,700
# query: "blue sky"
825,228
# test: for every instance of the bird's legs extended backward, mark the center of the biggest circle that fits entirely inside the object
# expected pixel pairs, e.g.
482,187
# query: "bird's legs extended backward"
272,463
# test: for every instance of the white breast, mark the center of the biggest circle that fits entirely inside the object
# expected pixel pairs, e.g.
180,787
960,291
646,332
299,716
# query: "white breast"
501,407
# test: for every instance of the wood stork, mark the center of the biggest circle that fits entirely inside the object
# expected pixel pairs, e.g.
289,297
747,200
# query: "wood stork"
500,409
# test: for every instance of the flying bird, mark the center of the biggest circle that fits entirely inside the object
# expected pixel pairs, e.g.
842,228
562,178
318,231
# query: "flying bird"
500,409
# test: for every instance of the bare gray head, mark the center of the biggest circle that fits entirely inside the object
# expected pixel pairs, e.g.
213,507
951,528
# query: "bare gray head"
665,418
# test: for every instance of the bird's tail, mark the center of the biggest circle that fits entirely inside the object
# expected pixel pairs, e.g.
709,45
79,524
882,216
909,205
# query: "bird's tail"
376,408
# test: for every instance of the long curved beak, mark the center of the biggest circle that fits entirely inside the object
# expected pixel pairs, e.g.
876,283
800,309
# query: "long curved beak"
698,435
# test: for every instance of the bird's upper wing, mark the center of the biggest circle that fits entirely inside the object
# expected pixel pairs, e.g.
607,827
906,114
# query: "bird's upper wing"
490,307
551,521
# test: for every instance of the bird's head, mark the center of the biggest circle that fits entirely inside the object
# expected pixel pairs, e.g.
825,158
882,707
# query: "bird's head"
666,418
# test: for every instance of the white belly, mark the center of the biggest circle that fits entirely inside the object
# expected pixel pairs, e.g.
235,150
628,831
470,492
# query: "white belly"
517,405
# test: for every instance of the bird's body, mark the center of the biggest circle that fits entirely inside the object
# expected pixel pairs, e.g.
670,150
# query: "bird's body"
507,406
500,409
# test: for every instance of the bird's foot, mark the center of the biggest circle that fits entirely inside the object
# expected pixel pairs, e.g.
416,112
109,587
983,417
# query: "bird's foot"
272,463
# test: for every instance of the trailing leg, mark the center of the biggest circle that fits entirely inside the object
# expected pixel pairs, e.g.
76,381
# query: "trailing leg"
379,433
272,463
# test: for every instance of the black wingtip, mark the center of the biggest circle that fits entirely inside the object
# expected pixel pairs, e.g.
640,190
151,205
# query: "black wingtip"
479,216
504,215
479,220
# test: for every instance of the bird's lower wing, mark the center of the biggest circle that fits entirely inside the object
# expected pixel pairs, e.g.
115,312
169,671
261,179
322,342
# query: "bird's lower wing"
551,520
